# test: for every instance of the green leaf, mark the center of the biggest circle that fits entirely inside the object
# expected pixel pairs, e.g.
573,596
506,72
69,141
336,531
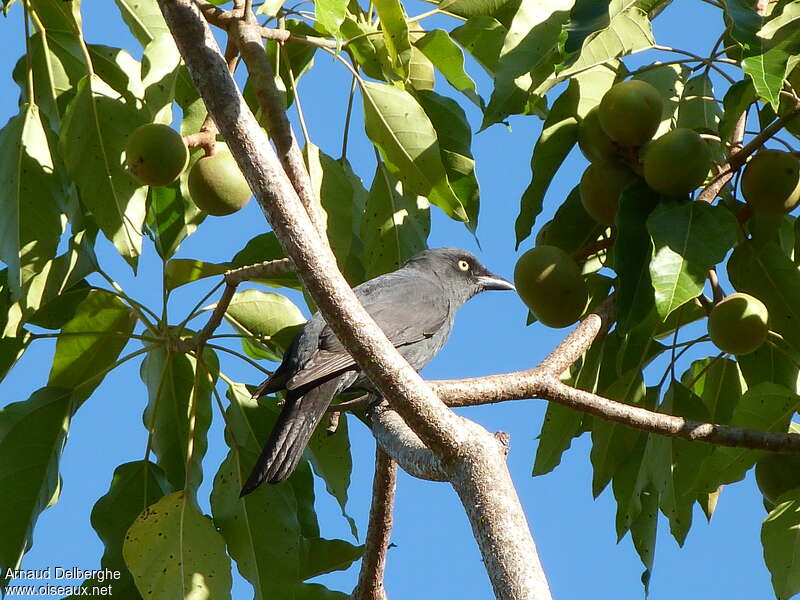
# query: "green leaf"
367,47
529,56
11,350
698,109
765,407
32,222
272,533
91,342
688,239
178,413
270,319
32,436
483,38
764,56
180,271
93,156
627,32
571,227
117,68
612,443
395,34
559,135
768,363
718,384
685,460
405,136
455,140
143,18
395,226
737,99
768,274
59,311
159,72
56,60
780,536
560,425
331,460
471,8
341,204
171,217
449,60
173,550
330,14
670,81
134,486
632,252
58,275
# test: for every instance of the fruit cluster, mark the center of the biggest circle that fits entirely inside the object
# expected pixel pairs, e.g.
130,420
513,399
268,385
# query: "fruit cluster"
617,138
157,155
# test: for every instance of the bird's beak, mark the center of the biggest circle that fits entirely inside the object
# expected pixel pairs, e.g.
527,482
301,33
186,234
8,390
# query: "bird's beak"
490,281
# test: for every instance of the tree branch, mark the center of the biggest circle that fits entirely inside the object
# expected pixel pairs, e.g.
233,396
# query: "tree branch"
475,461
738,156
379,530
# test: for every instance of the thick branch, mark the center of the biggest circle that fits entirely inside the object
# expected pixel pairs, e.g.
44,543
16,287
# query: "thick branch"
379,530
404,446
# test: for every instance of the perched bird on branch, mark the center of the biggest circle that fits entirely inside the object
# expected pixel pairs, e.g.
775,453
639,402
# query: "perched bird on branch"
414,306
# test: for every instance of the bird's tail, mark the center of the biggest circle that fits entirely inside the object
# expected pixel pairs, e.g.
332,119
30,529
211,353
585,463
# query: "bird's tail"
290,435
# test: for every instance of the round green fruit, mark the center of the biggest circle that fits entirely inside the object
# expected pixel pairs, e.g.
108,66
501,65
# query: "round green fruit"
156,154
549,282
738,324
601,186
217,186
776,474
771,182
593,141
677,162
630,112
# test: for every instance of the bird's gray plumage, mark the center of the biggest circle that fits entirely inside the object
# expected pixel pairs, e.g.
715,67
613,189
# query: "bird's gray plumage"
414,306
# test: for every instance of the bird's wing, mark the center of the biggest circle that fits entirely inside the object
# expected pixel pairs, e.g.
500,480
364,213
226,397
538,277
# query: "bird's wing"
410,313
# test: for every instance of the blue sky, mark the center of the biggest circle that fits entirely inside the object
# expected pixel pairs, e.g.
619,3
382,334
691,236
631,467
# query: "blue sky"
435,555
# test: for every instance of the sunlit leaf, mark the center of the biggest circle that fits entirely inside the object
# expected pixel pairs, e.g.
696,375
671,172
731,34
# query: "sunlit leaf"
780,536
398,126
172,549
395,225
93,155
32,224
688,239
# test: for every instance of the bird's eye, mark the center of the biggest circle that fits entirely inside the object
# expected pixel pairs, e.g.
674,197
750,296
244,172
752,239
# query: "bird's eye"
463,265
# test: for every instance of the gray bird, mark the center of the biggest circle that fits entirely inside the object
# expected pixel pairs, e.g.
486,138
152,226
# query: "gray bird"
414,306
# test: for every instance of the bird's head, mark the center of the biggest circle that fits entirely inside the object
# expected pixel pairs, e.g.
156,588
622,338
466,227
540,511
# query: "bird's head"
460,271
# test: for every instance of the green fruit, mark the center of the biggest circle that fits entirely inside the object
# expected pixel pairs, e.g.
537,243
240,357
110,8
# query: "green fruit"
549,282
676,163
217,186
771,182
630,112
601,186
776,474
156,154
738,324
593,141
